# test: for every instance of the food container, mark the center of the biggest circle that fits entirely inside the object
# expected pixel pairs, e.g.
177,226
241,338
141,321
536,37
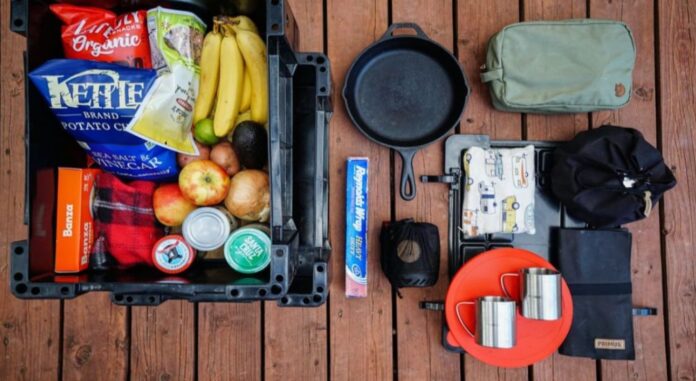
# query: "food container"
74,219
299,110
248,250
206,229
219,253
172,255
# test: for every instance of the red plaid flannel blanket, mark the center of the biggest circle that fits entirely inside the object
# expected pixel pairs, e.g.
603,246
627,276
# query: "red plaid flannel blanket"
124,223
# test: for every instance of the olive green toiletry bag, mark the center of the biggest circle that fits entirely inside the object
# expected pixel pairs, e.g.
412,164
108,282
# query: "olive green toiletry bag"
565,66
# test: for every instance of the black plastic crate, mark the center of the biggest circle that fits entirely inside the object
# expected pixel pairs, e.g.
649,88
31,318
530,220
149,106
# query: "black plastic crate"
300,109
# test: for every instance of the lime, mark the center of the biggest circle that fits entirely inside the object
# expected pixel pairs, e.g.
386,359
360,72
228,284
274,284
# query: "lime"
204,133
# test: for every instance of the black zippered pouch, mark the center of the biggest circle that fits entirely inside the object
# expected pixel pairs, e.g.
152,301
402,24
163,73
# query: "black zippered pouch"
596,264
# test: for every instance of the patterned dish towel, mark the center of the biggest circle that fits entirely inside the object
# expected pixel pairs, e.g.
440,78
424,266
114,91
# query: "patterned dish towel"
499,191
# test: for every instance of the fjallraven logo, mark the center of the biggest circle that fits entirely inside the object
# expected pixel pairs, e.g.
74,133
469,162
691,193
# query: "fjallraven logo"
619,90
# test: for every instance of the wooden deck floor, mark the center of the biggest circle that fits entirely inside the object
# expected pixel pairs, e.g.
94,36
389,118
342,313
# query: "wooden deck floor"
382,337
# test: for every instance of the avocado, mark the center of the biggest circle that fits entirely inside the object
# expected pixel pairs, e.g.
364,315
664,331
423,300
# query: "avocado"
250,143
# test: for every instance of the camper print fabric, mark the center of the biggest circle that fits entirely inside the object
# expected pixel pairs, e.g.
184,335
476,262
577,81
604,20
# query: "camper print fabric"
499,191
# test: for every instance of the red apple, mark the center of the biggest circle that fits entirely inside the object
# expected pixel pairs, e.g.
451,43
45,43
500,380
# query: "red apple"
204,182
171,207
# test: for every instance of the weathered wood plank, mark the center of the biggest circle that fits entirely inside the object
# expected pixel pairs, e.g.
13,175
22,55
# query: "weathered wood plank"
296,338
296,344
95,339
360,330
477,22
678,136
558,127
640,113
421,355
229,341
162,342
30,330
30,334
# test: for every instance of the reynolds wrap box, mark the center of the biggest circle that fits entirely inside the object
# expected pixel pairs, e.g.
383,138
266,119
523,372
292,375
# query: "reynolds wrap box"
356,227
74,228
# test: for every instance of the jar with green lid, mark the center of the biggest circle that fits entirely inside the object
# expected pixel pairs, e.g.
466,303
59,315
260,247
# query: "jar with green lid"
248,250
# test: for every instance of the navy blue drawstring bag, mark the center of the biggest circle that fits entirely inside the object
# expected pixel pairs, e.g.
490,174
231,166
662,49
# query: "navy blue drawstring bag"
609,176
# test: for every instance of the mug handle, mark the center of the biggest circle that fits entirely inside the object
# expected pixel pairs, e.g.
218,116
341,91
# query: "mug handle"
459,316
502,283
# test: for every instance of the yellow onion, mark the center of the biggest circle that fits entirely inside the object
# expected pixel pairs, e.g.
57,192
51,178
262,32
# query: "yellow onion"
249,198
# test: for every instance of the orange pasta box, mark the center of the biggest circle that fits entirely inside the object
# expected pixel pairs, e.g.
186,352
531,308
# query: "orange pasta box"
74,224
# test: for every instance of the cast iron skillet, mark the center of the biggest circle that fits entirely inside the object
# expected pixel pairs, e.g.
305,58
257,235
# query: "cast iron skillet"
405,92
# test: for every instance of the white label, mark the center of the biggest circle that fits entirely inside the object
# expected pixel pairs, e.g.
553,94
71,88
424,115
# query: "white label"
67,232
611,344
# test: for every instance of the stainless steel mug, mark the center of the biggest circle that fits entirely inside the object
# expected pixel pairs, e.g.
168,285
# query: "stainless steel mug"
496,323
540,292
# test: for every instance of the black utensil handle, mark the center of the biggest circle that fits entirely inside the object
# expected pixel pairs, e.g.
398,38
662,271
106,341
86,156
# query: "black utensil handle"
403,25
408,179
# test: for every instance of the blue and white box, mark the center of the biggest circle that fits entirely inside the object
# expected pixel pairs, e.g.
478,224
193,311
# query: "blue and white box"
356,226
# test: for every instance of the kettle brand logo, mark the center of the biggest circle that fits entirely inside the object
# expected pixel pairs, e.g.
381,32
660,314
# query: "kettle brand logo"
612,344
72,92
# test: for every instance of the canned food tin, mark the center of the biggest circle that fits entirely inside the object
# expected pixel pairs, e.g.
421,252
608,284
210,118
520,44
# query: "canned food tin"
206,229
219,253
172,255
248,250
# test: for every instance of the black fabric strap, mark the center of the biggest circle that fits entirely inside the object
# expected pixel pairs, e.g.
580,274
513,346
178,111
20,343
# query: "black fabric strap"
600,288
432,305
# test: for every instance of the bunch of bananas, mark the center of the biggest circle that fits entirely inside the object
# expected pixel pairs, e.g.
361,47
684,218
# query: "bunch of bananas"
234,75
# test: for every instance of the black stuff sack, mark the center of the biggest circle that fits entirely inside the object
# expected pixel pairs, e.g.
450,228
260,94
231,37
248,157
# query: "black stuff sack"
609,176
410,253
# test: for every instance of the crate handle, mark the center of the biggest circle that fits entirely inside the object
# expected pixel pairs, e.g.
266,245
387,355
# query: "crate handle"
18,16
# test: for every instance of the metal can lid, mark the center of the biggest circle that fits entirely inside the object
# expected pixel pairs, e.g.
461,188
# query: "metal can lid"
172,255
206,229
248,250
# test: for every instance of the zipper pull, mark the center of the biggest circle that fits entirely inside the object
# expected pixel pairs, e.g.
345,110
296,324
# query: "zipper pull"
648,203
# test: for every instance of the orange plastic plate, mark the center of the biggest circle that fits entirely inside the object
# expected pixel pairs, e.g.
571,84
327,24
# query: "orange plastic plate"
536,339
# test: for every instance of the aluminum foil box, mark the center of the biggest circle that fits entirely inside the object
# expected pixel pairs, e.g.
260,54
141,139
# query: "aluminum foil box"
356,226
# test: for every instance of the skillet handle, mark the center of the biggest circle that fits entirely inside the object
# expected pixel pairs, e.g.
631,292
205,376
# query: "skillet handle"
408,179
403,25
